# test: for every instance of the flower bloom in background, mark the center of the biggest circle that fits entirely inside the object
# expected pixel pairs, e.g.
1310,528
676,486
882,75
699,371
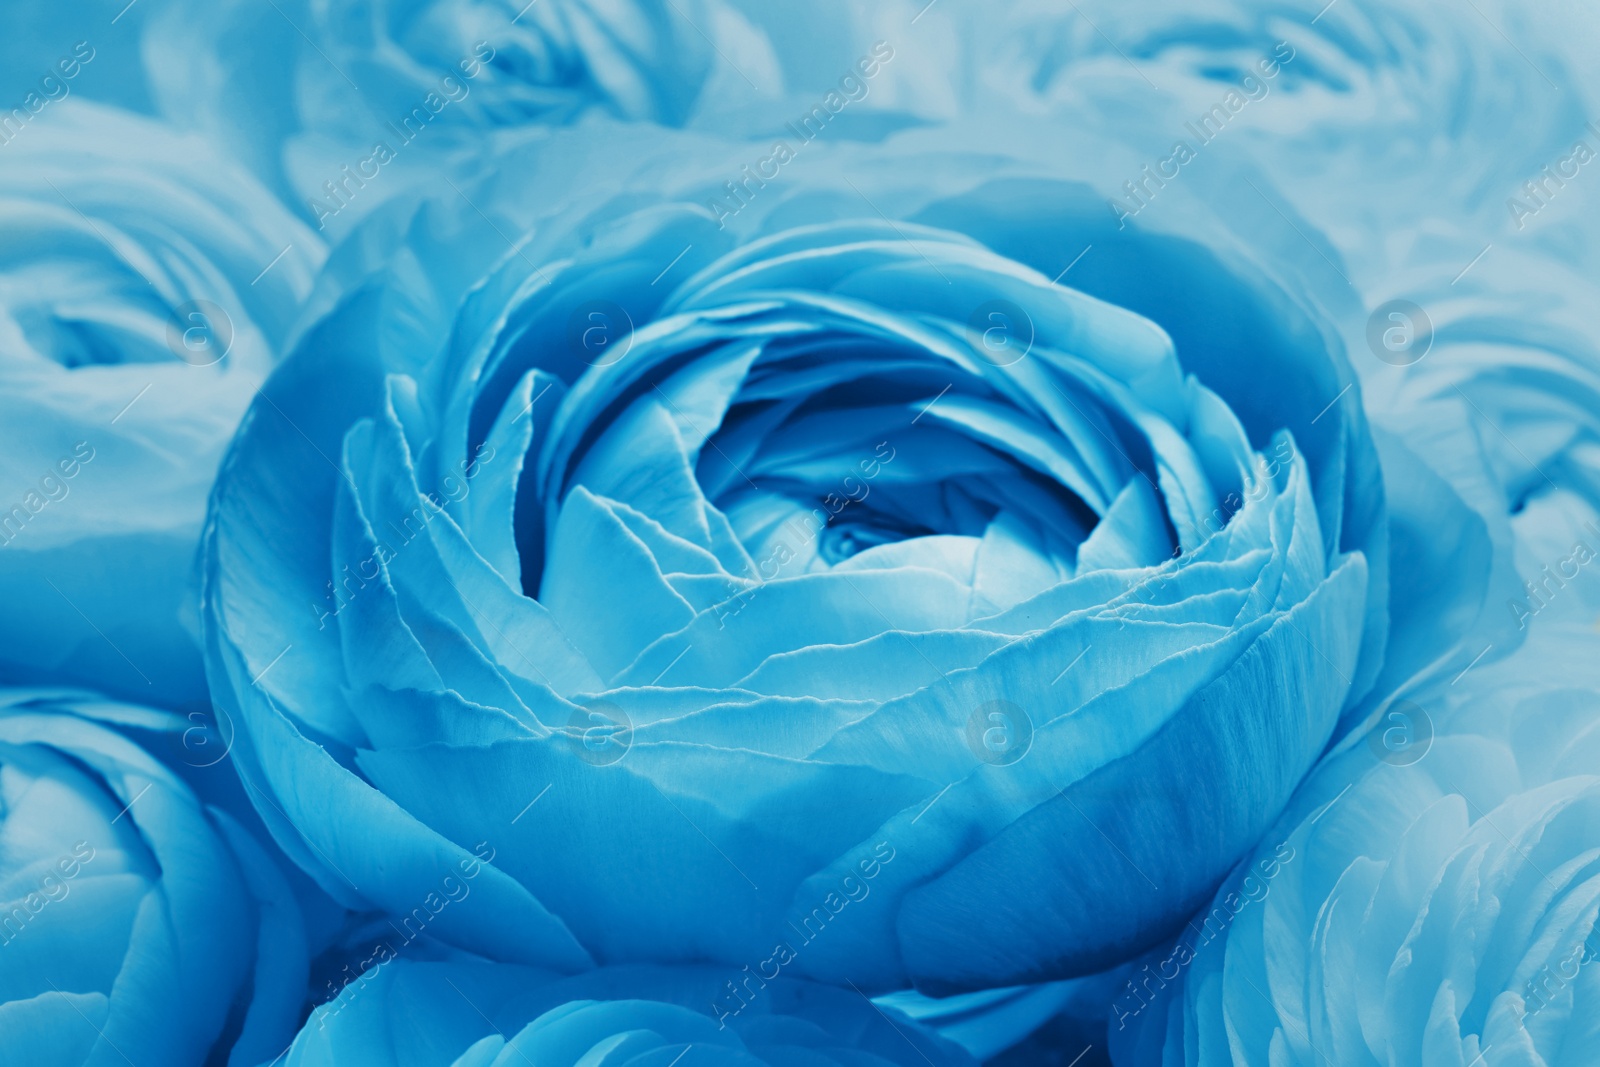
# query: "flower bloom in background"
1442,903
761,532
137,317
839,597
342,105
472,1013
339,106
1443,900
524,63
136,924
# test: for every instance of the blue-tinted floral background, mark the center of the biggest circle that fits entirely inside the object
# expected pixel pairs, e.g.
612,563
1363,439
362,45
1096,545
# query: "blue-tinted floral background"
680,532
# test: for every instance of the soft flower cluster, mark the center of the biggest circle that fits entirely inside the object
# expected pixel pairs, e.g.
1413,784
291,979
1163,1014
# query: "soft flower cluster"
670,532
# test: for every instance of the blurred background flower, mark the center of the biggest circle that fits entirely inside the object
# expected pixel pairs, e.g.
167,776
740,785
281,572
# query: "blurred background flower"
137,317
343,104
469,1013
596,258
136,923
1443,907
1443,899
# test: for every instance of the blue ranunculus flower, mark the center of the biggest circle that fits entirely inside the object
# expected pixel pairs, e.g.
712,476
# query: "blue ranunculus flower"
136,925
343,104
469,1013
137,317
1433,898
817,593
1371,140
637,59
